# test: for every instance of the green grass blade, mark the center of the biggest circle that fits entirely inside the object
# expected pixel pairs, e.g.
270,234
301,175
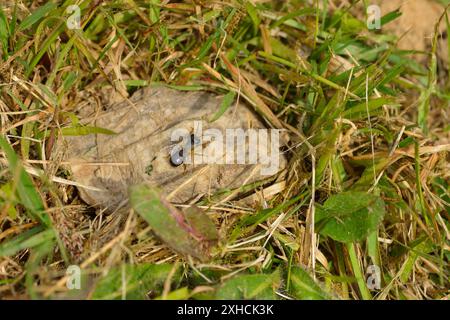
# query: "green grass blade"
28,195
37,15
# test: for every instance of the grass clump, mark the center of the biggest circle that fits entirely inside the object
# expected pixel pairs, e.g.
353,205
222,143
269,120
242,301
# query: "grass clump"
367,142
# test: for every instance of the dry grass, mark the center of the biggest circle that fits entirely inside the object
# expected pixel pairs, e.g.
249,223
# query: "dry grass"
360,116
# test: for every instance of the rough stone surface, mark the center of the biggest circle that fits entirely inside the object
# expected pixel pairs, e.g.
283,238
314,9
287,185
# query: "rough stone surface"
139,152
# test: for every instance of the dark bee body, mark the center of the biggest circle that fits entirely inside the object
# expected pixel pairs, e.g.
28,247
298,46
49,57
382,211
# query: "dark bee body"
177,156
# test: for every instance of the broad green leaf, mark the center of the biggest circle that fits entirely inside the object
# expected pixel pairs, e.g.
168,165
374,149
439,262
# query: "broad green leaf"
139,280
200,222
350,216
303,286
253,286
190,233
226,103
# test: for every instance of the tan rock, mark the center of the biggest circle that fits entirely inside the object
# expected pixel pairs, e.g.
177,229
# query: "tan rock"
140,150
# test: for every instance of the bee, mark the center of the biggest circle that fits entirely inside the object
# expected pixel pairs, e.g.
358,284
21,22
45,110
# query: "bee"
177,154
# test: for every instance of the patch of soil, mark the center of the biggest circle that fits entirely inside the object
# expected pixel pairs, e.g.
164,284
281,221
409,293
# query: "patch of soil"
416,25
